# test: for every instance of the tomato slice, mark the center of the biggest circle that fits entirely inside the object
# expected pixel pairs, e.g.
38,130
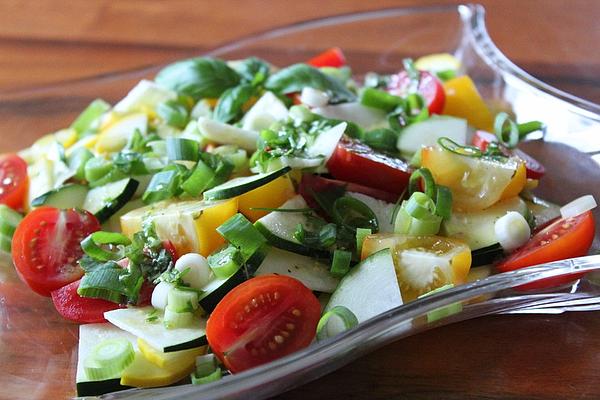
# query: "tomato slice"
13,181
84,310
332,57
535,170
564,238
356,162
46,247
429,87
263,319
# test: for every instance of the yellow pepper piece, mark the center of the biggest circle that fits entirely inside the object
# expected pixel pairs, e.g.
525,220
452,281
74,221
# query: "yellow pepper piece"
189,225
464,101
114,136
143,373
271,195
172,359
516,184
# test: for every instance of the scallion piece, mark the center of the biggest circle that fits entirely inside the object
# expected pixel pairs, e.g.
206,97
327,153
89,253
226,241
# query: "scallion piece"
199,179
452,146
202,380
108,359
442,312
240,232
380,99
419,206
181,149
77,160
504,126
92,112
182,300
353,213
428,183
443,202
162,186
346,316
9,219
174,113
225,262
383,139
340,265
361,234
173,319
527,127
91,245
96,168
206,364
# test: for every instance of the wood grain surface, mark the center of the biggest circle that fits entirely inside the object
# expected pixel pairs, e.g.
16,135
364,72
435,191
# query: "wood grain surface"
504,357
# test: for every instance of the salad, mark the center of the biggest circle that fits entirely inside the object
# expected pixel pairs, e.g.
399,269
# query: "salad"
229,213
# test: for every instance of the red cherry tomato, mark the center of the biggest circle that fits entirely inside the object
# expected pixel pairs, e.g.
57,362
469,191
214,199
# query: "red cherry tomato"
84,310
263,319
429,87
356,162
170,247
13,181
535,170
46,247
332,57
564,238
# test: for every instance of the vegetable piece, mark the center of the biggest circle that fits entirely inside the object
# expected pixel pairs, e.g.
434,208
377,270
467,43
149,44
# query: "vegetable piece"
92,112
231,103
225,262
239,186
135,321
283,318
145,374
313,97
464,101
160,296
512,230
312,273
423,263
194,268
353,213
355,162
578,206
442,312
325,144
222,133
104,201
363,116
173,319
144,97
345,315
266,111
70,305
172,359
271,195
113,137
71,195
45,247
428,86
238,231
206,371
333,57
383,210
426,133
9,220
189,225
181,149
444,65
200,77
369,289
108,359
562,239
298,76
340,264
13,181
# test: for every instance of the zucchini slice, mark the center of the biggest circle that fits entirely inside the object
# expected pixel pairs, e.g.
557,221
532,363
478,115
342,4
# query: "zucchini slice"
67,196
104,201
239,186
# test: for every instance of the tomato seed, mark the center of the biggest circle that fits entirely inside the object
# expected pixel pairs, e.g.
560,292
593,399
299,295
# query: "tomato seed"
254,303
285,333
272,346
290,327
279,339
247,309
276,295
296,312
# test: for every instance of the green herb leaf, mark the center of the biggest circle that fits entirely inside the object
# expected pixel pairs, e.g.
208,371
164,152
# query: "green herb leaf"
229,107
298,76
253,70
198,77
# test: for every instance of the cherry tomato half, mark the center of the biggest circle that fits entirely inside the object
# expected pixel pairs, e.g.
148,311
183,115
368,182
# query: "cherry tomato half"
13,181
356,162
84,310
46,247
562,239
429,87
263,319
332,57
535,170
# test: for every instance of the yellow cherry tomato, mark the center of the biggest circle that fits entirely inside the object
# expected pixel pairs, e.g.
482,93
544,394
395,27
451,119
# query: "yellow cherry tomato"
464,101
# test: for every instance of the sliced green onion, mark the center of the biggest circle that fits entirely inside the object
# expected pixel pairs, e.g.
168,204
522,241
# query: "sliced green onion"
180,149
419,205
97,168
182,300
361,234
503,125
91,245
77,160
206,364
428,182
236,156
416,161
380,99
202,380
446,75
107,282
9,219
328,235
240,232
443,202
174,113
199,179
289,210
417,216
383,139
527,127
162,186
173,319
340,265
442,312
411,69
91,113
353,213
344,314
452,146
108,359
225,262
5,244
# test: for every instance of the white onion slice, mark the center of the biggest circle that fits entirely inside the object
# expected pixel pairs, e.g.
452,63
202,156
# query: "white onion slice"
578,206
512,230
313,97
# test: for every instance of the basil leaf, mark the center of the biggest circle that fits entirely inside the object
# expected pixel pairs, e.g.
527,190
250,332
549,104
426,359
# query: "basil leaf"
298,76
198,77
253,70
229,106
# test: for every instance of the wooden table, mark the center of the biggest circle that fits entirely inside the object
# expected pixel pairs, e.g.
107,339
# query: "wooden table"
507,357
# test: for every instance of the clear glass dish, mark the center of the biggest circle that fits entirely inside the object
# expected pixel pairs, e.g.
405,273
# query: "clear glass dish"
39,348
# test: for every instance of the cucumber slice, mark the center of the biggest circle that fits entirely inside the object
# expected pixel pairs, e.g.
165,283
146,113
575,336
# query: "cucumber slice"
369,289
71,195
9,219
427,133
104,201
227,134
279,227
477,228
312,273
5,244
486,255
239,186
133,320
89,336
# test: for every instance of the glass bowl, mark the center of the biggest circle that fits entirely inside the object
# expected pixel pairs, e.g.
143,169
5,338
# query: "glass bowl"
38,354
